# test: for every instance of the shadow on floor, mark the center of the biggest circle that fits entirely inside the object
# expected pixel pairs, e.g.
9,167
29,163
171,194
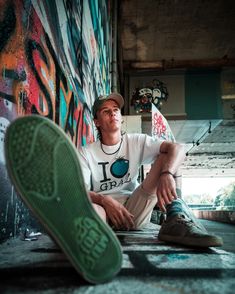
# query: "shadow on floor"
149,266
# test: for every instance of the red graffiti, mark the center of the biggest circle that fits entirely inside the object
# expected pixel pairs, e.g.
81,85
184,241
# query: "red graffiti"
32,77
159,127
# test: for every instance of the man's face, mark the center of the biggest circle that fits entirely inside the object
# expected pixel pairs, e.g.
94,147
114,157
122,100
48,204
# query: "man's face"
109,117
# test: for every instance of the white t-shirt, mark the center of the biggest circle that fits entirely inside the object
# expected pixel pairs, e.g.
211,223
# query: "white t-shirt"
116,173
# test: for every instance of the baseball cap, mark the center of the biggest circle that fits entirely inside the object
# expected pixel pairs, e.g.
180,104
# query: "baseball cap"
101,99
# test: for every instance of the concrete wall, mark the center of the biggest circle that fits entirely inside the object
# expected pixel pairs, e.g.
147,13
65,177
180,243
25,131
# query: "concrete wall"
203,95
54,61
196,94
175,105
228,90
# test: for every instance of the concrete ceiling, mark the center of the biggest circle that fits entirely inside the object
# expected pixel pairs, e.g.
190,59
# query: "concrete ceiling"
209,144
211,152
176,34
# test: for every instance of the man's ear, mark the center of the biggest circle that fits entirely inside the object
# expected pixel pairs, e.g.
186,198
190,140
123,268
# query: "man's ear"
96,122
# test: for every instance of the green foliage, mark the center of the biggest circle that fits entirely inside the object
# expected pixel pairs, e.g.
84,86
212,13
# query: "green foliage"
226,196
199,199
224,200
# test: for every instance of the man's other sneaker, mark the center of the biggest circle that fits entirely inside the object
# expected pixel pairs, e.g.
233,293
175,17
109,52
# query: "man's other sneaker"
45,171
182,230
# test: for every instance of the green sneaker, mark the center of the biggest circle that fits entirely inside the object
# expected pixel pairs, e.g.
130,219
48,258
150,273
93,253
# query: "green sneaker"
45,171
181,229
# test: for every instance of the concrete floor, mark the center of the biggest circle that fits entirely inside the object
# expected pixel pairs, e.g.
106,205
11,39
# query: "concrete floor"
149,266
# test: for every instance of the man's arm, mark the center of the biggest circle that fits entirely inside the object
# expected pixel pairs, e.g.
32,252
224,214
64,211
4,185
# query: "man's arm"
175,156
160,180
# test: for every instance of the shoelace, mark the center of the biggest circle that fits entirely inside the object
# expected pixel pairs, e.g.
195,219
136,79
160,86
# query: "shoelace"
186,221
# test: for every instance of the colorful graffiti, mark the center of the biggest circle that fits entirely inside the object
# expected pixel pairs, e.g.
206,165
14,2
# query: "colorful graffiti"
160,127
142,98
54,61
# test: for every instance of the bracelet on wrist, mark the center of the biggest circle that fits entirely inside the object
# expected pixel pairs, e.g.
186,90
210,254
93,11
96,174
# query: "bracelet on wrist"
179,176
167,172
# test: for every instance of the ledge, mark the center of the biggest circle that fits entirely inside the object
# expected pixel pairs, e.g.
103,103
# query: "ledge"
225,216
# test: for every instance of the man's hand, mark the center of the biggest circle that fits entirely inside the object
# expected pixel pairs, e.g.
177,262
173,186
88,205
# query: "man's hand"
119,216
166,191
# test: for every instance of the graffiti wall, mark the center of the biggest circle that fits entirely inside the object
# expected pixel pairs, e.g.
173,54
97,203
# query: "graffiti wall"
54,61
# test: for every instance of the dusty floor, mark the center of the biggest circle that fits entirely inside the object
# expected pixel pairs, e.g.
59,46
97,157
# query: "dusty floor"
149,266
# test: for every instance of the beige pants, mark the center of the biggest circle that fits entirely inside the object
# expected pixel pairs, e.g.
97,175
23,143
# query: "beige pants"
141,205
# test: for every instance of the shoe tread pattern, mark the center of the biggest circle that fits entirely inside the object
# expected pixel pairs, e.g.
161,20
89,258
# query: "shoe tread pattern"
48,177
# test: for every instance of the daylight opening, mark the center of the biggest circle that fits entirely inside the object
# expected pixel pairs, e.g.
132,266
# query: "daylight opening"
211,193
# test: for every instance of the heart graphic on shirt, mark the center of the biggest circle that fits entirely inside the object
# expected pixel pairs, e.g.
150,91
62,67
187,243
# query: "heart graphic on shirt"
119,168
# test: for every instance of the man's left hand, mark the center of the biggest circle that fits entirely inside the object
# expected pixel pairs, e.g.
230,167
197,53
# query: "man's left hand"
166,191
